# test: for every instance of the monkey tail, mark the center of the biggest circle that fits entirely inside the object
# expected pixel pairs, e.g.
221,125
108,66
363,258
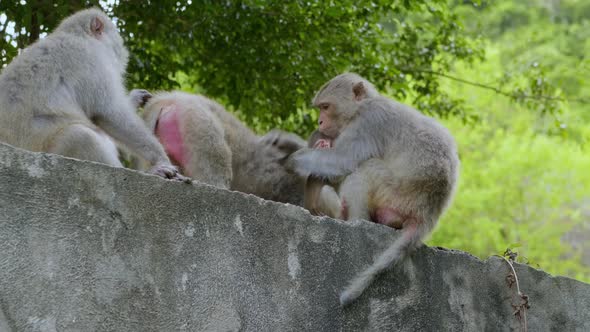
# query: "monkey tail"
411,236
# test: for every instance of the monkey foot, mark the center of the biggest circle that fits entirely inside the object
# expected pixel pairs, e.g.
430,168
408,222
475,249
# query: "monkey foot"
344,210
169,172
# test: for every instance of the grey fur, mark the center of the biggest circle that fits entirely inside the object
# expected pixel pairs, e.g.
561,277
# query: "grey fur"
284,141
386,154
64,94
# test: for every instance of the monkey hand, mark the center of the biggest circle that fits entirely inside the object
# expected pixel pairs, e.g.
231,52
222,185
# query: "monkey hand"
284,141
168,171
139,97
292,163
322,144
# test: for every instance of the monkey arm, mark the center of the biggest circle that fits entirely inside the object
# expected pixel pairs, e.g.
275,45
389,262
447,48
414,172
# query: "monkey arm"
117,117
330,164
323,164
364,138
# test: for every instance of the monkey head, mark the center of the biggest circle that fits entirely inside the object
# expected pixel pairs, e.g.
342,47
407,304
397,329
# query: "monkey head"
93,23
338,102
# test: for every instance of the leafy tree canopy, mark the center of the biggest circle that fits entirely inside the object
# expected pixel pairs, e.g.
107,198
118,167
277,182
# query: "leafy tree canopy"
267,57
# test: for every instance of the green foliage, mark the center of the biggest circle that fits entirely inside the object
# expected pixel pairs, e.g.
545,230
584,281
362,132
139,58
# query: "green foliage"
546,42
523,184
517,188
266,57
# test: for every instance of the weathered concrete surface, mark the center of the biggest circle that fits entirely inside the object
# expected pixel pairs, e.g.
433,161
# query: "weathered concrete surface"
86,247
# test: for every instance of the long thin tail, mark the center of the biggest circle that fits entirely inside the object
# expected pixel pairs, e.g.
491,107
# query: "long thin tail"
411,236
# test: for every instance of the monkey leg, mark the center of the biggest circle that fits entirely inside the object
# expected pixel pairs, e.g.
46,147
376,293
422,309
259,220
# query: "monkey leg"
209,157
83,142
321,199
330,203
390,217
392,201
311,196
354,194
367,194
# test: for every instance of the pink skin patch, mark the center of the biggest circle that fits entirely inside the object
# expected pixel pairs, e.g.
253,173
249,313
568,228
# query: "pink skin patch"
168,131
389,217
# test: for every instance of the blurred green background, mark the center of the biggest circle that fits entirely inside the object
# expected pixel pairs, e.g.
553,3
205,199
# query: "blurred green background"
509,78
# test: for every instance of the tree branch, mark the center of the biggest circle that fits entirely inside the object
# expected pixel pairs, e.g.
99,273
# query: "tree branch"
498,90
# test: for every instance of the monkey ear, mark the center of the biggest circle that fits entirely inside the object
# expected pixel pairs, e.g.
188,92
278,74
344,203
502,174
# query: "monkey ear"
359,91
96,27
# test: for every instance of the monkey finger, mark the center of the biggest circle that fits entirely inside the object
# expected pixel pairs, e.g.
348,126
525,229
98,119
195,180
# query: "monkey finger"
322,144
140,97
168,172
161,173
177,176
182,178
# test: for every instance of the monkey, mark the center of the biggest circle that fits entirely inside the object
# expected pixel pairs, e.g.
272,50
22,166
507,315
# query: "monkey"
391,164
319,198
317,140
212,146
64,94
192,136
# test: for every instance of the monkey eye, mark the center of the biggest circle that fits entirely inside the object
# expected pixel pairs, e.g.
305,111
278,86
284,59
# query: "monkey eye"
324,106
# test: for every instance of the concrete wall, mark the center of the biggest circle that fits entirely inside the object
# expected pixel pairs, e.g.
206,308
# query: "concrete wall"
87,247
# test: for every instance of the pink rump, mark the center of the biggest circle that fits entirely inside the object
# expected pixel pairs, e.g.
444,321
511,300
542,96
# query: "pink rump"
168,131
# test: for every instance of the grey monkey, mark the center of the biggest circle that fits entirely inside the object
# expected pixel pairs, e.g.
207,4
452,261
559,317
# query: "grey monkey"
64,94
389,163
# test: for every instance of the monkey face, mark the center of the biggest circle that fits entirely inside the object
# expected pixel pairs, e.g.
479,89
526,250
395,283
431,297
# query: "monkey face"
328,120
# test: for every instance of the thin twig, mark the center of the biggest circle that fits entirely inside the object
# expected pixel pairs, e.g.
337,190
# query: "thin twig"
524,305
498,90
514,273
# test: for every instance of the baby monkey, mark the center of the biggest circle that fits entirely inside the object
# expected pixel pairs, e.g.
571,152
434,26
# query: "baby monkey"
319,197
